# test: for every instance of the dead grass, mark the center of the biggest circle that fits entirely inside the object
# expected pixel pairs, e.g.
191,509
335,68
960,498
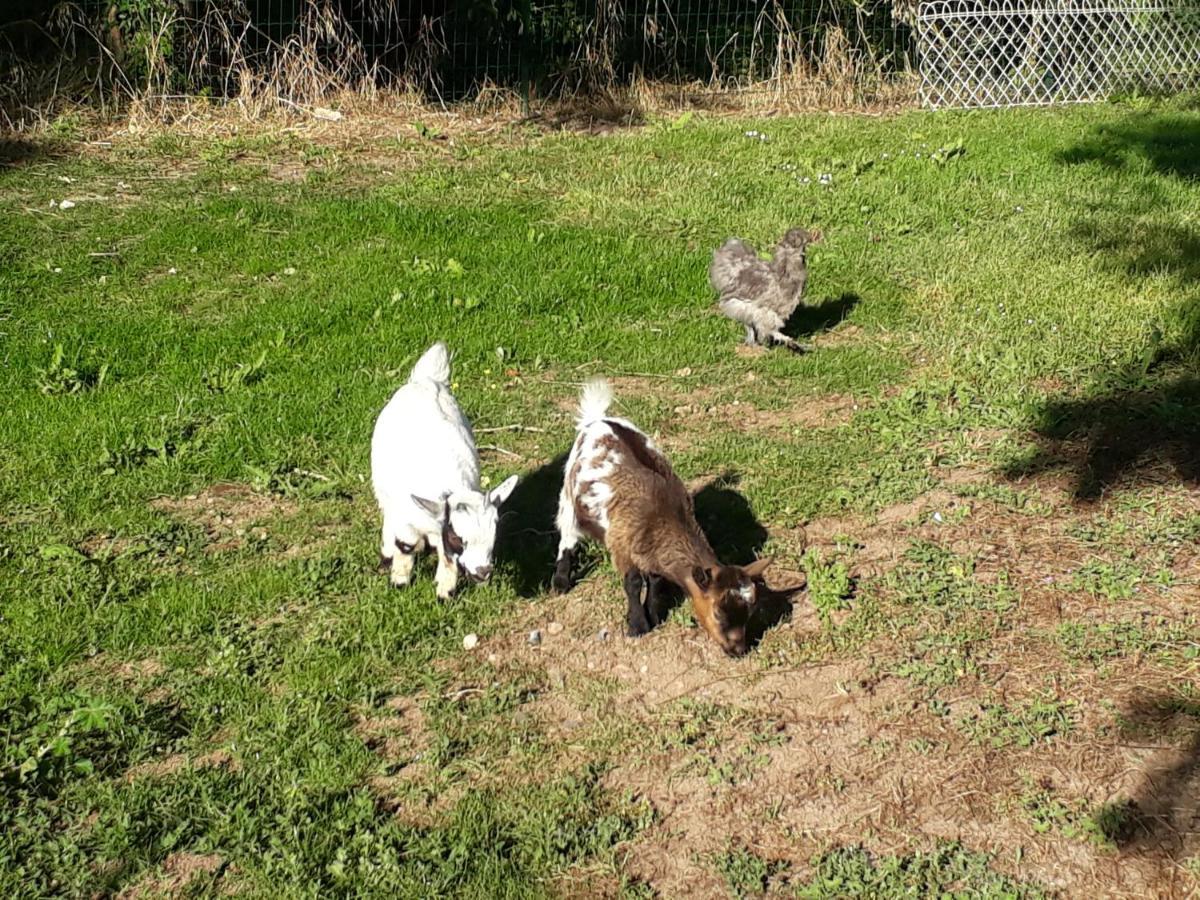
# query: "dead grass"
175,876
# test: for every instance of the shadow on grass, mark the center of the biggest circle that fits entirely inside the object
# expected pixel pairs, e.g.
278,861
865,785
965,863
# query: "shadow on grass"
1162,812
527,540
1140,422
732,529
1134,434
1165,141
808,320
737,537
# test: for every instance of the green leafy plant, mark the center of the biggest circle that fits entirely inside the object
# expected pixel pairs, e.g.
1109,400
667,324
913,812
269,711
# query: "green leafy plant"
69,376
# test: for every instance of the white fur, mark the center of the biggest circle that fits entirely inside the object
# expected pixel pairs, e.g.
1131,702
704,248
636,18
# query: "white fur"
423,449
595,468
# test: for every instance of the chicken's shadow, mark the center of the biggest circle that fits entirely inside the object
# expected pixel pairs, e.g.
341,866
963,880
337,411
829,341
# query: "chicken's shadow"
810,320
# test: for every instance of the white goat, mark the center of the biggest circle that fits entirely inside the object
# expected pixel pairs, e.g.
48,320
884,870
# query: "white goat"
425,472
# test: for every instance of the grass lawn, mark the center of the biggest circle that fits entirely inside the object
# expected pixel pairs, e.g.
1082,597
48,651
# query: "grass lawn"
988,473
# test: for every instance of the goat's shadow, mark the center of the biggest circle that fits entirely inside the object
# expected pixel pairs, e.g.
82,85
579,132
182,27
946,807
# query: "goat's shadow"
736,537
527,540
809,320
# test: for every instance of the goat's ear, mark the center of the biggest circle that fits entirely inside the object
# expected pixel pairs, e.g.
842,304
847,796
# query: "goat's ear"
756,568
701,576
500,494
433,507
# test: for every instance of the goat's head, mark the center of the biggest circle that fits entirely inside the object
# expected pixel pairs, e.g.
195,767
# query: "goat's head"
725,598
468,521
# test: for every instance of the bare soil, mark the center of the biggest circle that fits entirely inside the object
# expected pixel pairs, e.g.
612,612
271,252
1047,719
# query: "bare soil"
789,760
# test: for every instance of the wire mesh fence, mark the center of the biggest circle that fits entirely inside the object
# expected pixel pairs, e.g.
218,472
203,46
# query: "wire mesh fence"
1023,52
451,50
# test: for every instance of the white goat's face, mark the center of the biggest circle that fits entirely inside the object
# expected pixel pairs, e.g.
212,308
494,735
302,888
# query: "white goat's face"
468,522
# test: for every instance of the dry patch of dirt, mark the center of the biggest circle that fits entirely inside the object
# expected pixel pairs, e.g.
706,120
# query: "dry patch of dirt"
136,674
177,762
230,514
399,734
790,760
174,876
822,411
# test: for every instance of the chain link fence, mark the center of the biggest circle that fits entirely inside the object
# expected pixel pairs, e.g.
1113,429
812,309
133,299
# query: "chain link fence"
1022,53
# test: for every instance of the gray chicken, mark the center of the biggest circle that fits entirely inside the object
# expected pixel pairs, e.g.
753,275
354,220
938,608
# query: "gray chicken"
760,294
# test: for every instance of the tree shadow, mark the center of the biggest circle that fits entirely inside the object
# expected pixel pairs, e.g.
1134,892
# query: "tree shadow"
1125,435
1140,421
1167,141
808,320
1161,814
527,539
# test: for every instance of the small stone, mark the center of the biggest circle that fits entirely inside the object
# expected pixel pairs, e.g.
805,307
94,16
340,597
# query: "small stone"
535,638
603,635
493,658
289,271
241,532
644,669
471,641
67,204
172,271
684,372
554,628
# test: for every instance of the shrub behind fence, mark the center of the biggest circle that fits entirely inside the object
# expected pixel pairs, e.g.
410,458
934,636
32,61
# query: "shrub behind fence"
450,50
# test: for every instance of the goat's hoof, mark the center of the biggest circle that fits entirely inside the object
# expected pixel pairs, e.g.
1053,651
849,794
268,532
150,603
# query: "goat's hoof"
398,582
561,584
636,631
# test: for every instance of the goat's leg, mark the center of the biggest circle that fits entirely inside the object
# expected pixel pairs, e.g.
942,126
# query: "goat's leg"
446,578
398,552
792,344
561,582
657,596
569,535
638,623
751,337
404,560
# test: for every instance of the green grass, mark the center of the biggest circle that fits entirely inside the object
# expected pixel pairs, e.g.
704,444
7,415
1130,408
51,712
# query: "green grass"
948,871
192,321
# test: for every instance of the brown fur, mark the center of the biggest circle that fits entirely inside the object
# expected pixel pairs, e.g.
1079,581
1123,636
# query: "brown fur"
652,530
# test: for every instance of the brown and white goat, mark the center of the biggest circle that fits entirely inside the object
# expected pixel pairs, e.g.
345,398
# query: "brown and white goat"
619,489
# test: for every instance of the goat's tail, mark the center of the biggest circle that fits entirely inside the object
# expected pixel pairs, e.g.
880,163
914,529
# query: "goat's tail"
434,365
594,402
